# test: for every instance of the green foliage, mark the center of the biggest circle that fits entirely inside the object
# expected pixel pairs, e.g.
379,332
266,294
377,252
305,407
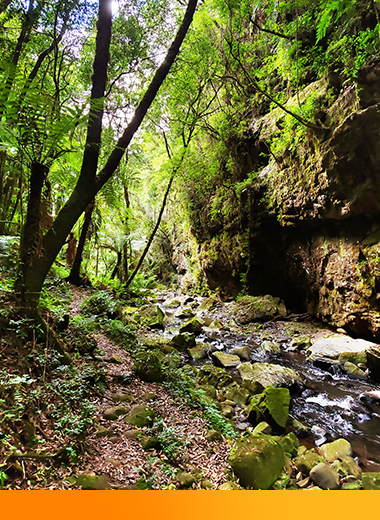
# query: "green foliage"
172,443
100,304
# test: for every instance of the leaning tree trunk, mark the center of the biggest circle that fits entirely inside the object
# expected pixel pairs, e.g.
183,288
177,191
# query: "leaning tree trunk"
89,184
74,276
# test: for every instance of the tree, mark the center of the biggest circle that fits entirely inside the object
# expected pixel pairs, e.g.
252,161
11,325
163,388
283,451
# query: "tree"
38,251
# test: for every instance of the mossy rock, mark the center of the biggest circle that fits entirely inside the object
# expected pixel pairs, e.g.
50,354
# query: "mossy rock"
186,312
347,467
228,486
114,412
267,374
306,461
140,416
272,405
353,357
336,450
325,476
225,360
215,376
148,366
263,428
234,392
353,371
185,479
289,443
258,308
209,390
197,353
104,432
242,352
193,326
149,443
208,303
371,480
183,341
149,396
122,398
213,435
300,343
150,316
270,347
93,482
257,461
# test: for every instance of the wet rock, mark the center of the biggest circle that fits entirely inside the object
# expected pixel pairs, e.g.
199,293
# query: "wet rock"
258,308
214,376
352,485
111,414
225,360
193,326
300,343
300,429
272,405
183,341
103,432
353,371
331,348
336,450
373,363
93,482
185,479
257,461
148,367
270,347
347,466
208,303
356,358
140,416
306,461
267,374
172,303
371,480
325,477
197,353
206,484
186,312
150,316
242,352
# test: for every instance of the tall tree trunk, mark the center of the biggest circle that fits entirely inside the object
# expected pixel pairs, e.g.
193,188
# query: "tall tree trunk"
89,183
74,276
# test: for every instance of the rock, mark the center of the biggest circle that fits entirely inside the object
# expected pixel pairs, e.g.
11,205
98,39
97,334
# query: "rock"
300,343
206,484
149,396
267,374
103,432
352,485
186,312
228,486
272,405
209,390
185,479
306,461
331,348
183,341
325,477
242,352
262,428
149,443
173,303
150,316
300,429
197,353
371,480
147,366
347,466
116,360
353,371
193,326
140,416
373,363
214,376
227,410
257,461
336,450
269,347
132,434
93,482
235,393
354,357
122,398
114,412
208,303
225,360
213,435
289,443
258,308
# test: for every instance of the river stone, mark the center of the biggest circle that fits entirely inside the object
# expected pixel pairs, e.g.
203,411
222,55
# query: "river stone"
270,347
132,434
273,404
353,371
267,374
208,303
103,432
234,392
336,450
183,341
257,461
373,363
242,352
113,413
371,480
354,357
147,366
324,476
214,376
149,443
150,316
225,360
186,312
140,416
194,326
300,343
122,398
306,461
289,443
330,348
173,303
262,428
93,482
258,308
185,479
197,353
352,485
206,484
347,466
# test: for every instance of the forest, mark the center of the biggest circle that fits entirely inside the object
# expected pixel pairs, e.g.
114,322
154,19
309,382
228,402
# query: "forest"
190,244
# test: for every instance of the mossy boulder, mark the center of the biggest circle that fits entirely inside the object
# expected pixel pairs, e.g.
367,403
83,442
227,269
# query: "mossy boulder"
242,352
257,461
194,325
258,308
347,466
114,412
289,443
150,316
371,480
140,416
209,390
214,376
306,461
149,443
234,392
225,360
336,450
148,366
185,479
267,374
208,303
183,341
300,343
122,398
272,405
353,357
262,428
198,352
325,476
270,347
104,432
93,482
353,371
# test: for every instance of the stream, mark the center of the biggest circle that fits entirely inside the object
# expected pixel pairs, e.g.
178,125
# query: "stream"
329,401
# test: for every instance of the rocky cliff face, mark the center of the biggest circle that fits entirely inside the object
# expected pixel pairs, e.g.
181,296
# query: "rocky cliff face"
307,228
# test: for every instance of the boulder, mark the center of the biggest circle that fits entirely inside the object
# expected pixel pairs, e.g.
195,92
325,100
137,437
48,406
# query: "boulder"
194,326
140,416
214,376
186,312
266,374
300,343
150,316
234,392
272,405
148,367
353,371
103,432
209,390
325,477
197,352
269,347
258,308
354,357
213,435
373,363
149,443
93,482
257,461
347,466
149,396
289,443
306,461
262,428
114,412
225,360
122,398
185,479
183,341
242,352
371,480
336,450
330,348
